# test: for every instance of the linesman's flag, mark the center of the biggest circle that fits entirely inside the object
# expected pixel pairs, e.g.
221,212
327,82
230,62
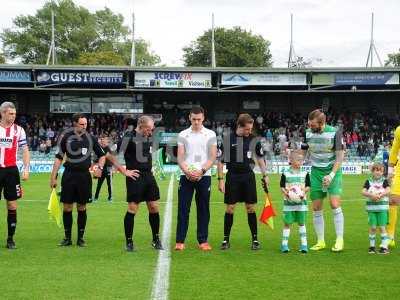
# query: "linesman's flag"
54,207
268,212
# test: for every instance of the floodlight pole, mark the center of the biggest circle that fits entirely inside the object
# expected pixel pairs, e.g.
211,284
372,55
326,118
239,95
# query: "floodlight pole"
213,61
53,37
133,54
291,50
52,50
372,48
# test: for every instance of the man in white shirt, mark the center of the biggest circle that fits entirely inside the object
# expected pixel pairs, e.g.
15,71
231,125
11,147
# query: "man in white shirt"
197,151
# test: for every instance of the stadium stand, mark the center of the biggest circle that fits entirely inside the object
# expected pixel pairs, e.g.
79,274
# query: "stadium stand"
362,132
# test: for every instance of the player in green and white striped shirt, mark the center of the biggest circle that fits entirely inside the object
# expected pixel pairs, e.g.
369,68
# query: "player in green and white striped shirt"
377,190
295,184
325,146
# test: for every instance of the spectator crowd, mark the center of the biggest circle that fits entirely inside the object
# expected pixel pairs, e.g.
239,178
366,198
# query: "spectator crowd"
362,132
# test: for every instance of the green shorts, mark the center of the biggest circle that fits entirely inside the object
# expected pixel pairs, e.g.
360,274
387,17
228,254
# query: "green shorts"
317,191
290,217
378,218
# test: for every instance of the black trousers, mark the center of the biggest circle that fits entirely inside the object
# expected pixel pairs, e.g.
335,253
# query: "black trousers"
104,175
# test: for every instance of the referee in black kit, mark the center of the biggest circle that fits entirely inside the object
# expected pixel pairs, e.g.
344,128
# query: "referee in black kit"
137,148
75,146
107,170
237,151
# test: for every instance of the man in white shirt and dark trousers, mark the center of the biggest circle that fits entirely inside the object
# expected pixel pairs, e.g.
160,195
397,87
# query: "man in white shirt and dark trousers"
197,150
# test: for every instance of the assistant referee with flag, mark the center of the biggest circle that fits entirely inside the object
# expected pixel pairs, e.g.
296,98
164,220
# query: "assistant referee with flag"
75,147
237,151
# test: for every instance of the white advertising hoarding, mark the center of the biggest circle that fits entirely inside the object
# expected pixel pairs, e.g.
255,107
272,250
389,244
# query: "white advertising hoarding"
175,80
263,79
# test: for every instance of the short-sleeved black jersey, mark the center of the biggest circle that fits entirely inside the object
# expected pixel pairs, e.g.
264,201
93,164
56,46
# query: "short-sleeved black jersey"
239,155
78,150
138,152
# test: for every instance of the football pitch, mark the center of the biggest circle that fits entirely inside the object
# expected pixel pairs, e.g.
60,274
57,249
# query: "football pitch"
39,269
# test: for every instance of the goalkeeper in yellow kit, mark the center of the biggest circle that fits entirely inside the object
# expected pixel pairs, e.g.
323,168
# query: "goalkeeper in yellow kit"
394,177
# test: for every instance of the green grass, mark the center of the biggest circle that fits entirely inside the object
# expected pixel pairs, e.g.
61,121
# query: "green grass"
103,270
39,269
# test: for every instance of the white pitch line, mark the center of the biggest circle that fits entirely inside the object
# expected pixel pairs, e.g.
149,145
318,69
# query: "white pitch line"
161,276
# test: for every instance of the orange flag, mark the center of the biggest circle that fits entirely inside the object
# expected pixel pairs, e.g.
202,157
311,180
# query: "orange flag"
268,213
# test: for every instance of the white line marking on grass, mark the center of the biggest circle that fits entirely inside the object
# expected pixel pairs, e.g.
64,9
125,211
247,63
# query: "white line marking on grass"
161,276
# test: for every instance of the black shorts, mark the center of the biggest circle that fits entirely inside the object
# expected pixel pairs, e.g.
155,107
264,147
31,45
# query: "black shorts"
144,188
240,187
76,186
10,183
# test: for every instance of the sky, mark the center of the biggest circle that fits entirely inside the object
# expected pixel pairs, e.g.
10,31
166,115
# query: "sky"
330,33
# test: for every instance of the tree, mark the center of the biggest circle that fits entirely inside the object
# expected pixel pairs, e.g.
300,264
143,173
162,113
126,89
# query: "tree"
121,56
393,60
101,58
2,59
79,34
110,30
31,40
144,56
233,48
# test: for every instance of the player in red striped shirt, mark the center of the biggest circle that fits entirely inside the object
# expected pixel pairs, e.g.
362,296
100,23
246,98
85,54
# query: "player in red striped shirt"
12,138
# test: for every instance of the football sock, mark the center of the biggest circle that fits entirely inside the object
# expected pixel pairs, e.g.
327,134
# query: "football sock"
67,220
384,238
338,219
319,225
372,239
252,220
285,236
228,222
303,235
11,222
82,217
129,222
154,220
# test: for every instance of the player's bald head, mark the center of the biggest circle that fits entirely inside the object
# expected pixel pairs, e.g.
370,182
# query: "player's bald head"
145,125
145,121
